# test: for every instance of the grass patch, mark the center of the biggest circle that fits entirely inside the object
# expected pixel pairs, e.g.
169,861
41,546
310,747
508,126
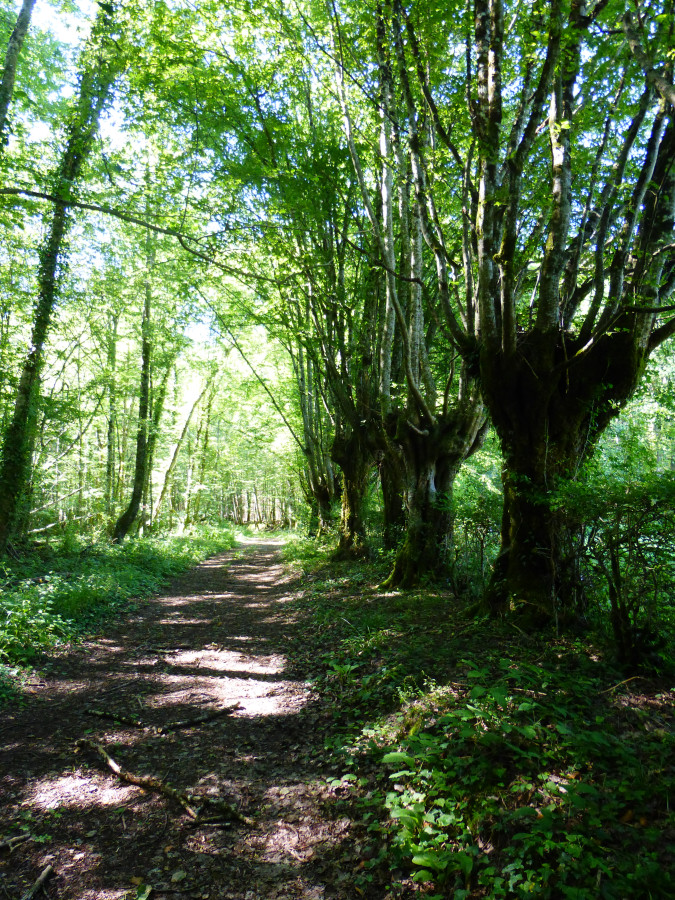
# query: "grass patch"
481,762
55,595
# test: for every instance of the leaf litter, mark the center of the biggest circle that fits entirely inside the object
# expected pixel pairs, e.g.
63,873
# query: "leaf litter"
215,639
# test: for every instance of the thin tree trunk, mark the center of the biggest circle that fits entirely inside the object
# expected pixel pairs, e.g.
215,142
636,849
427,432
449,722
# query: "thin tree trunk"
154,417
112,399
19,439
9,70
194,510
128,517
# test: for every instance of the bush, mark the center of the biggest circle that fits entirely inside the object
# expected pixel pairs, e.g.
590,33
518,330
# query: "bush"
627,539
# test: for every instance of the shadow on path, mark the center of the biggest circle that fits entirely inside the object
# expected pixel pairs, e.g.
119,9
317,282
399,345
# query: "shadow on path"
216,638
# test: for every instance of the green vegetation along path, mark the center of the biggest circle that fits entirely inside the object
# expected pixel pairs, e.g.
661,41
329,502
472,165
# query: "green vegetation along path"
215,639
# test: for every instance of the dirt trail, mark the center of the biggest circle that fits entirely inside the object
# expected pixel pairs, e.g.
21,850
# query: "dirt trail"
216,637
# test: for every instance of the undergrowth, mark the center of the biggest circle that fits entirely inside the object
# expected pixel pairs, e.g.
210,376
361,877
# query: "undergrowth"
481,762
59,592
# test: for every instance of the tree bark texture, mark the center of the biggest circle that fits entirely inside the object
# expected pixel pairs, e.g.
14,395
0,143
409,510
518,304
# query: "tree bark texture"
392,481
430,460
356,463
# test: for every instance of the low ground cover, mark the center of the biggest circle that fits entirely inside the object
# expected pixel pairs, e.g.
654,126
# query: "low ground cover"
482,762
54,594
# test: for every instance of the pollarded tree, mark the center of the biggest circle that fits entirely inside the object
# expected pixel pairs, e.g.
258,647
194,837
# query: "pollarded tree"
428,432
565,127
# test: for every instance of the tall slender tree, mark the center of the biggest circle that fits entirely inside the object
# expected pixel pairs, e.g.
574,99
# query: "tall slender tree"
14,46
100,64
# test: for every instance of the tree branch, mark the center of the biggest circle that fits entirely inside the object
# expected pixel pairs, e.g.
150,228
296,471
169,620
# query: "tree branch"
662,85
182,239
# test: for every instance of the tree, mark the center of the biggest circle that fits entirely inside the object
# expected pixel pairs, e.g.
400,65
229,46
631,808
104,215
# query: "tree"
427,434
572,176
9,69
100,65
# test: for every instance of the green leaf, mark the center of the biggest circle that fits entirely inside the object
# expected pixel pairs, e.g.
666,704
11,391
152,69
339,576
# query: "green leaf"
398,758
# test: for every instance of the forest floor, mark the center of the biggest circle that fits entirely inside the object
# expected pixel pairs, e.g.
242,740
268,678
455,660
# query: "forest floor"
333,741
216,638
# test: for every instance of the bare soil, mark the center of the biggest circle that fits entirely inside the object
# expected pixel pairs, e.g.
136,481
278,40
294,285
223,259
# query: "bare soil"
217,637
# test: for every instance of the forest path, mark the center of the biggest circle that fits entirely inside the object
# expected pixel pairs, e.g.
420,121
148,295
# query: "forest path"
216,637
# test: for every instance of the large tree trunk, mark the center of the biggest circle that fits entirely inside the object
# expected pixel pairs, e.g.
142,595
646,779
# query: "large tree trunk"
19,439
392,482
356,463
549,416
431,459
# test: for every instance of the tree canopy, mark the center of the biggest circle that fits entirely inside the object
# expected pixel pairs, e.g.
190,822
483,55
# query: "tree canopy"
408,223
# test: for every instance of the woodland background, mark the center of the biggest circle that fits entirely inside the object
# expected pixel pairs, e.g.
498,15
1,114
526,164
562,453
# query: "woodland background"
399,274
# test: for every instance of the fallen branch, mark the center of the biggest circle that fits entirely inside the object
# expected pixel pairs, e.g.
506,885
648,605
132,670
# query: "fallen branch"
198,720
31,892
189,802
615,686
170,726
114,717
11,843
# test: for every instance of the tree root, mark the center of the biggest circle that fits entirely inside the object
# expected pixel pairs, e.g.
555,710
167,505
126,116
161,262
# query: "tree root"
191,803
32,891
170,726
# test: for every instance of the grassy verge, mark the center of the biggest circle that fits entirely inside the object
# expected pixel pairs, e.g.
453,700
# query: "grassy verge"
52,596
481,762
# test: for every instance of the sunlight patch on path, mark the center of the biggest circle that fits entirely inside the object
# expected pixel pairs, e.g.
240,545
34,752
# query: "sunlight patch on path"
227,661
79,791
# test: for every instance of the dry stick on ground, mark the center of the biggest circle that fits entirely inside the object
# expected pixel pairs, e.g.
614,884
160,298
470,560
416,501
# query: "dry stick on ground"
170,726
198,720
32,891
123,720
11,843
149,783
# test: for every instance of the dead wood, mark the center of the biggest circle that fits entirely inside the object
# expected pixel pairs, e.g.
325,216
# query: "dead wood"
170,726
198,720
114,717
12,842
32,891
189,802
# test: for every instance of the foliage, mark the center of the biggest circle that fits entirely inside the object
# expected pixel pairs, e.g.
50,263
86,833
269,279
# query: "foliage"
479,762
477,509
52,596
626,528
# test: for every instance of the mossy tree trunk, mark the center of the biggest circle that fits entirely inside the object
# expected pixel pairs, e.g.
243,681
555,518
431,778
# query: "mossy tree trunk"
393,505
356,463
431,458
549,417
100,66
